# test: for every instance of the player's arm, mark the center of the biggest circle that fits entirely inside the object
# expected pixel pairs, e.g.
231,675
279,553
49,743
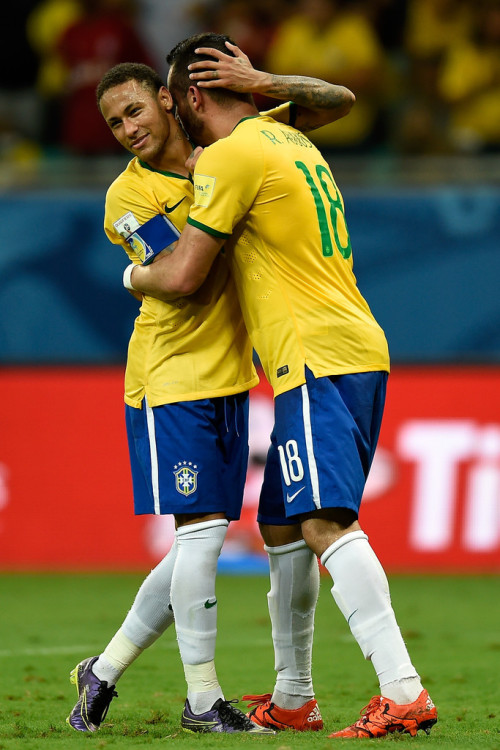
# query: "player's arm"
182,271
135,293
144,241
317,102
132,221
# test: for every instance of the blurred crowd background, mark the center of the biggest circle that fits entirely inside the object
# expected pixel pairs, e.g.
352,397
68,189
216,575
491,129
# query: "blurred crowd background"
426,73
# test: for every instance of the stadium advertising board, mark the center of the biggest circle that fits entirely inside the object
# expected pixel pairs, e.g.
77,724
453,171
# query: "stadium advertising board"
432,502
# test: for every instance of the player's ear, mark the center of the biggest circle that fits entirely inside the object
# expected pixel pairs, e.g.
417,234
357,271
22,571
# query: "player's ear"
165,98
195,97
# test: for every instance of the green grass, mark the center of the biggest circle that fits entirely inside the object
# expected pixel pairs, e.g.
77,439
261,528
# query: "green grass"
49,622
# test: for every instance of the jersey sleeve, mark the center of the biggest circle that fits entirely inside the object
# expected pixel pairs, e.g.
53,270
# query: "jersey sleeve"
132,221
227,178
285,113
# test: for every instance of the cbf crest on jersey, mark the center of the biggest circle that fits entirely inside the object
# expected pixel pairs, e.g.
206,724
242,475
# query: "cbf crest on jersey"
185,475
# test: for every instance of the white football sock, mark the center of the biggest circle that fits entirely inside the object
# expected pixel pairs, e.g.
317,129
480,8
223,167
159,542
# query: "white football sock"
294,575
361,592
402,691
150,615
203,686
118,655
195,608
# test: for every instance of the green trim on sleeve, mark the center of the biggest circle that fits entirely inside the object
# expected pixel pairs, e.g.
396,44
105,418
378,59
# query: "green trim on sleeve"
206,229
293,114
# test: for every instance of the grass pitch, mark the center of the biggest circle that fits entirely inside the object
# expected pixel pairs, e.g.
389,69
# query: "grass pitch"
50,622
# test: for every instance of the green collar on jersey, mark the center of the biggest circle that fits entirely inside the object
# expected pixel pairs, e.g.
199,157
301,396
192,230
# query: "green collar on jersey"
291,121
250,117
165,174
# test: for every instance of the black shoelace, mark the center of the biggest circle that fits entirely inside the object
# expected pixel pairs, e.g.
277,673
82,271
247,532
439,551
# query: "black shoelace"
100,704
233,716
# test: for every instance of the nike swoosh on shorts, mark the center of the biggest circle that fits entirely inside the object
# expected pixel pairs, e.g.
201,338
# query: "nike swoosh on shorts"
289,498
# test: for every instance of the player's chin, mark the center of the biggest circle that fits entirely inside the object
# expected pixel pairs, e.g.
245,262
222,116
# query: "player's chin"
144,154
141,147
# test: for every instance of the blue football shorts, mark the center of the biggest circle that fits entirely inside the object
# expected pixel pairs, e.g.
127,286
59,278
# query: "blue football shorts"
189,457
322,445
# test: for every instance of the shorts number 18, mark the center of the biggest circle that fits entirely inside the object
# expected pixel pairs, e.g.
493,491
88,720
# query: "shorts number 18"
291,465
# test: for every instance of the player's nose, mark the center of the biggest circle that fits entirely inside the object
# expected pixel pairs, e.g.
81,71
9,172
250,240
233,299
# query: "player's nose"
130,127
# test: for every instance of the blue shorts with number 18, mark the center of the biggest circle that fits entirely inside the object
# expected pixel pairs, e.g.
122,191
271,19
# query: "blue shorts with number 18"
322,445
190,456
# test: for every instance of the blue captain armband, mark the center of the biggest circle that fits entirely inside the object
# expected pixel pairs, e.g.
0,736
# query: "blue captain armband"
153,237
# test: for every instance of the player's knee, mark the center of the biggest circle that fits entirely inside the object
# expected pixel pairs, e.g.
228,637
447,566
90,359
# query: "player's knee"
323,528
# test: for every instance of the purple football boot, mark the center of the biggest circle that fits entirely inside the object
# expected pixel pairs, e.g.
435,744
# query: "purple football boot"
94,697
222,717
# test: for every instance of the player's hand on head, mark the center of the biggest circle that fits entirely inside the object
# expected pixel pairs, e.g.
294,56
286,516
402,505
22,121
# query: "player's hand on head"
193,158
225,71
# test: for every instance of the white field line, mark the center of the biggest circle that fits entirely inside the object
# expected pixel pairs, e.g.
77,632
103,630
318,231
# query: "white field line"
84,650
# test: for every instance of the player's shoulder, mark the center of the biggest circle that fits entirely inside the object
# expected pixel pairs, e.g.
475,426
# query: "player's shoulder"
133,172
133,179
284,113
241,145
256,129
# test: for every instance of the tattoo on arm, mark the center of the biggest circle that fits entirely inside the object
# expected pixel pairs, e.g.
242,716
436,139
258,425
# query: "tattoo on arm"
314,97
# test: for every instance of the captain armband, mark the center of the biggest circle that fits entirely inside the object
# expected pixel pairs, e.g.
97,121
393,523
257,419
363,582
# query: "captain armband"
151,238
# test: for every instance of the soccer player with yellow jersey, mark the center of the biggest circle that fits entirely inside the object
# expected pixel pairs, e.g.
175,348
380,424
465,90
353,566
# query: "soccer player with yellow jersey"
266,192
189,369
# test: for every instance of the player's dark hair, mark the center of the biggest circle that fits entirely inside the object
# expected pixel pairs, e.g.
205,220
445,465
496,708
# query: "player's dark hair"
124,72
183,54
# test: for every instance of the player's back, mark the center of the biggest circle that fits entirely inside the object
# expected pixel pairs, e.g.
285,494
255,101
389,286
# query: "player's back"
290,253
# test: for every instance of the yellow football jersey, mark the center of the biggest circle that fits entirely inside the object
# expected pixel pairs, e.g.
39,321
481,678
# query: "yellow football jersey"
269,191
193,347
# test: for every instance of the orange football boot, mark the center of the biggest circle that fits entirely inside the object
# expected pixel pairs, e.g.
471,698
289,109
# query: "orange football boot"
267,714
382,716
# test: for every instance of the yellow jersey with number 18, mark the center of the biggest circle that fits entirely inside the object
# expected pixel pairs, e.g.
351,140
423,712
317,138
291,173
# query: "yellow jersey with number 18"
268,190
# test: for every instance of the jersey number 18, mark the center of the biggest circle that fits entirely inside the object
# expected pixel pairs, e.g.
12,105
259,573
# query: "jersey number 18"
337,217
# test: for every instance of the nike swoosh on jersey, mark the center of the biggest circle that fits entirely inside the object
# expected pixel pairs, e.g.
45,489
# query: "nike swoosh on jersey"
208,604
172,208
289,498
